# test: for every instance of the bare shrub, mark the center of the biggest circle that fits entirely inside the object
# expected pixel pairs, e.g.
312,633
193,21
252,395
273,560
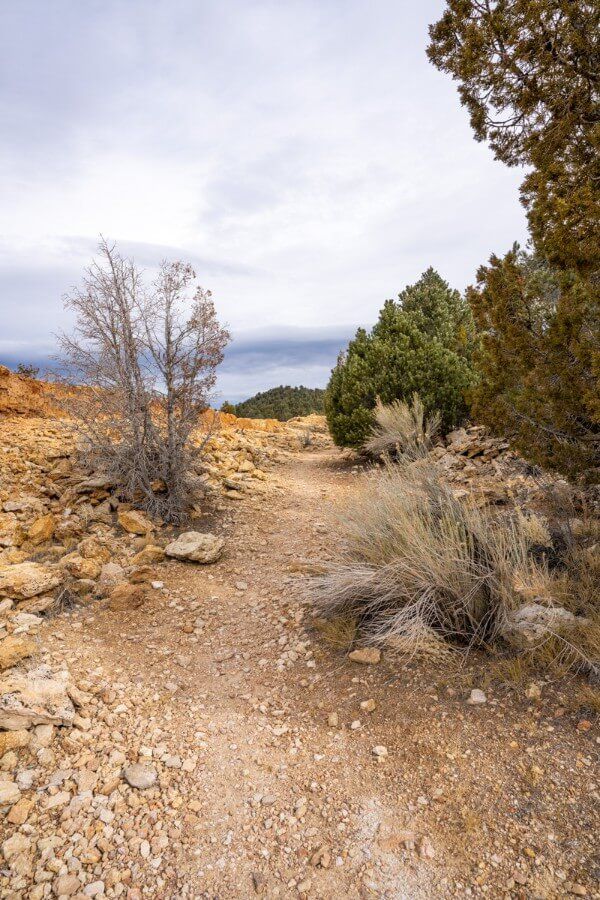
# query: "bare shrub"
402,429
423,570
145,358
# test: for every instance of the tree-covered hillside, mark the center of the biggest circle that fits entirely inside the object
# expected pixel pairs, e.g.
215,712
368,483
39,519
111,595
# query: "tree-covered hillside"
281,403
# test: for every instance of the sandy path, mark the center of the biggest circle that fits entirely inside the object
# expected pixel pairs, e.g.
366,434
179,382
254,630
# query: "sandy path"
218,678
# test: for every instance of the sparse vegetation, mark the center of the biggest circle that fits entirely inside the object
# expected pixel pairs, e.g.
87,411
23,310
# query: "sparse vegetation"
283,403
27,370
422,343
423,570
148,357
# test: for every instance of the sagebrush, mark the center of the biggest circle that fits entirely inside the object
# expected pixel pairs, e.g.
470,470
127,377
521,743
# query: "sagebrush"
423,571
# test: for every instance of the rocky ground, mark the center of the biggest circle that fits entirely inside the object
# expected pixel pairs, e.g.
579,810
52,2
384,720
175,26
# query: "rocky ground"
179,729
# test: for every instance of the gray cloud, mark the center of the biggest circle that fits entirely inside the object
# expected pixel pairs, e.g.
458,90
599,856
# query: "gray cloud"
304,156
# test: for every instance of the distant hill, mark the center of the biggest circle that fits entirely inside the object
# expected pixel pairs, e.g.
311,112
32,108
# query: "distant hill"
281,403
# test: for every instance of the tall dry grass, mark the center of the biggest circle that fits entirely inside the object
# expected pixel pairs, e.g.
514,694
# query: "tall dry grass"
402,429
424,571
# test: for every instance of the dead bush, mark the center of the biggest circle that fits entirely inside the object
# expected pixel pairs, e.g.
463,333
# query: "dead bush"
144,359
402,430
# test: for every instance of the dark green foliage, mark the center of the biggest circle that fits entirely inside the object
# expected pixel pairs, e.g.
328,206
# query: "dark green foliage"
422,343
282,403
540,361
227,407
529,75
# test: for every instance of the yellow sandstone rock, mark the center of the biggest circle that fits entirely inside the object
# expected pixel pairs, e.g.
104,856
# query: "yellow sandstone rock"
13,740
134,522
148,555
79,567
42,529
27,579
13,649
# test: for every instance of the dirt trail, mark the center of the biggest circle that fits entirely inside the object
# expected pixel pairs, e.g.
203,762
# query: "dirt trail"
219,681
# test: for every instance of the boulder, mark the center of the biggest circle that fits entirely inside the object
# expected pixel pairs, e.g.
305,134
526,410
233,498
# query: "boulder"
134,522
196,547
27,579
90,548
42,529
80,567
39,697
13,649
148,555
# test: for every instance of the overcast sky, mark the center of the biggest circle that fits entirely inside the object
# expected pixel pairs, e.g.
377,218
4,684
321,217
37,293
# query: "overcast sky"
303,155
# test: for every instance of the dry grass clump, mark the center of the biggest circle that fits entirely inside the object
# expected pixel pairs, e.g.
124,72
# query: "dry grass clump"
423,570
402,430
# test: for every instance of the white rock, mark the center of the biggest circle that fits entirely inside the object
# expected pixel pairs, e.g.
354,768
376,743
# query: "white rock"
534,620
139,775
196,547
18,843
95,889
476,698
9,793
39,697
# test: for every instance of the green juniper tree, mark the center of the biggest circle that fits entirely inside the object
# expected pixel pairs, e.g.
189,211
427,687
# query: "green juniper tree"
539,361
529,74
421,343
